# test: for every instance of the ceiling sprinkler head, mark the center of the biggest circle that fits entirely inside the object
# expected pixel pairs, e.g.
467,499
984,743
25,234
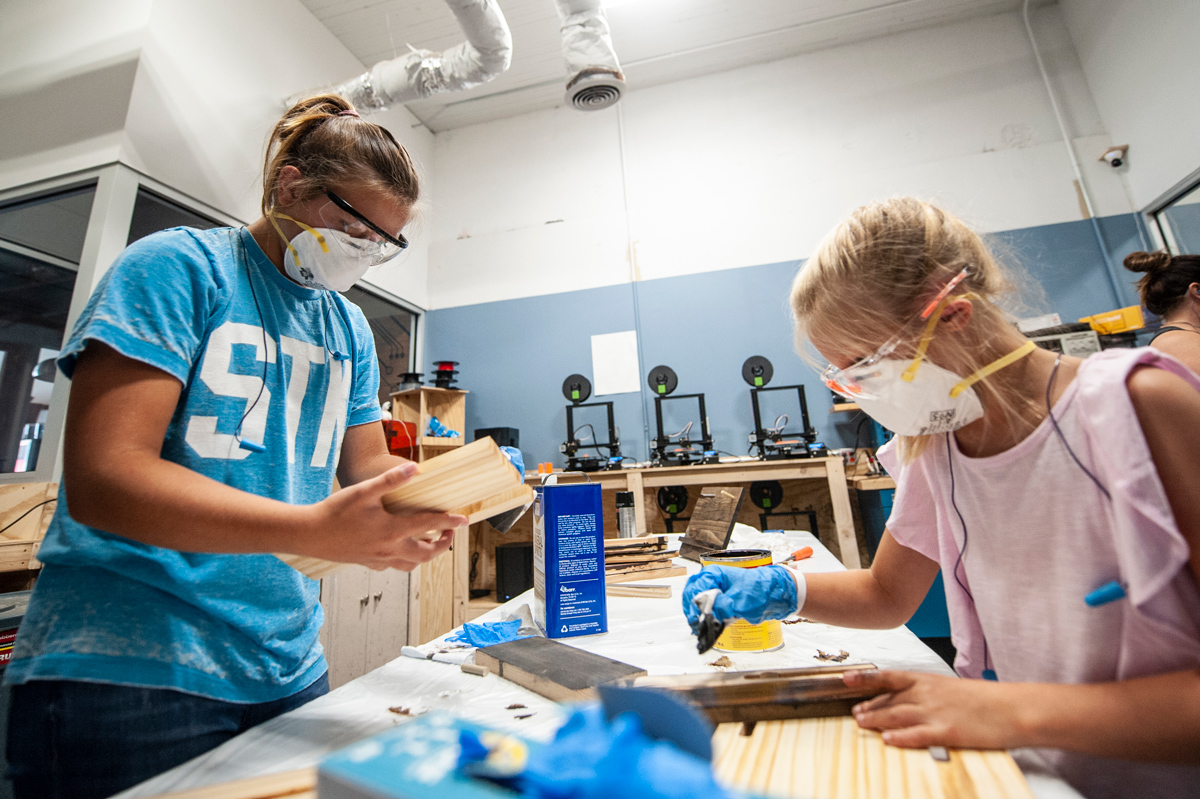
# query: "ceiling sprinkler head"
594,89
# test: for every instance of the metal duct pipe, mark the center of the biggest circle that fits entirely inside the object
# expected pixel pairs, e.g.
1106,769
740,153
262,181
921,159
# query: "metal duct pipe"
485,54
594,77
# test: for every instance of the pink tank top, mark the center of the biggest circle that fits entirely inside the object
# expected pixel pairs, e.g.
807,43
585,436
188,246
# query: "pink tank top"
1040,535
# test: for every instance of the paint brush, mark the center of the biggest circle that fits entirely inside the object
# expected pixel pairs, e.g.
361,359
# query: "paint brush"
708,628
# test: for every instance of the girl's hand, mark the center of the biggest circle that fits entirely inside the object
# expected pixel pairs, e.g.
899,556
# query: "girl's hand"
922,710
352,526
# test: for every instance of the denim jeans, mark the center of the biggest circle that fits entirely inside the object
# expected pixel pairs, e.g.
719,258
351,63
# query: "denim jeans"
80,740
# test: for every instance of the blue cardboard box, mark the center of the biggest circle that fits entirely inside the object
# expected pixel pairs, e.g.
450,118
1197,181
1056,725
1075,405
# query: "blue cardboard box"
568,561
417,760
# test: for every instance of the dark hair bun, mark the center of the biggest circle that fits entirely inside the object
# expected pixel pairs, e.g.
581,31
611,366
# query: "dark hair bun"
1147,261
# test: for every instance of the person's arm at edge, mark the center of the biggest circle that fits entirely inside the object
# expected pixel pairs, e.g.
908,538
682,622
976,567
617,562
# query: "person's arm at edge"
880,598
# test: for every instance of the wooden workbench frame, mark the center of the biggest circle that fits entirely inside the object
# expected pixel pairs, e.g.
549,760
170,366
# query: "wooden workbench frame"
637,480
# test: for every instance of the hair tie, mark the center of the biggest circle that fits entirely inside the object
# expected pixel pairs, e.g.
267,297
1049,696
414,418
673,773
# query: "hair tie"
349,112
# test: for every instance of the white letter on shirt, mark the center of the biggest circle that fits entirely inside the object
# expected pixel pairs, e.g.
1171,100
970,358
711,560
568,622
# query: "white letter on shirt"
303,354
202,435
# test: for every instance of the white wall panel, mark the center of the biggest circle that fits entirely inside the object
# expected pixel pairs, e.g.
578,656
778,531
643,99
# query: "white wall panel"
754,165
1139,57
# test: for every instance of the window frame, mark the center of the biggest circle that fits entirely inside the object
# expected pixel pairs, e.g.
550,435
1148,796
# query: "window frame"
117,187
1160,228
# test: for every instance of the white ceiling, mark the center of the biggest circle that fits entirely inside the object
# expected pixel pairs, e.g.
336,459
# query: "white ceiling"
657,41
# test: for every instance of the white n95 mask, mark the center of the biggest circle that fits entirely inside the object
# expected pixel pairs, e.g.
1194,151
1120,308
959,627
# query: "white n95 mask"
924,405
309,259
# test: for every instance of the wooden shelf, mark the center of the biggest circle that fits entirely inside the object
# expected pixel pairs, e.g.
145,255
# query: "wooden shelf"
437,441
842,407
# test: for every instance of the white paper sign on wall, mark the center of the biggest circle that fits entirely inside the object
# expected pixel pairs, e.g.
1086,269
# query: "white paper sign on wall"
615,368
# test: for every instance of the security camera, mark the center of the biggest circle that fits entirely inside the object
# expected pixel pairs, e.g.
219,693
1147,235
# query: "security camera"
1115,156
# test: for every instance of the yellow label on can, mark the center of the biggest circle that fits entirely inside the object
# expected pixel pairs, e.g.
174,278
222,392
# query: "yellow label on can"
741,636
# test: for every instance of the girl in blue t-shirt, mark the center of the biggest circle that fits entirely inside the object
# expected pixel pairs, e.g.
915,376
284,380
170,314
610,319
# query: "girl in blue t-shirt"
220,383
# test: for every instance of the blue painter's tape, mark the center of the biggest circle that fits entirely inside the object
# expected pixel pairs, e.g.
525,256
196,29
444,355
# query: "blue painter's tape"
1109,592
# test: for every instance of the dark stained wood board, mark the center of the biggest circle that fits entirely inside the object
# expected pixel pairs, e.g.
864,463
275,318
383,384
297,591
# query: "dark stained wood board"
554,670
712,520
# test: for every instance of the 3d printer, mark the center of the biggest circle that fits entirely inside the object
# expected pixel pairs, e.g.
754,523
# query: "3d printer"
774,443
683,451
577,389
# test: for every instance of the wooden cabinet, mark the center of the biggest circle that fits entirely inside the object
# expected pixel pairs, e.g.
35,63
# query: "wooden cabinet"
366,620
440,587
370,615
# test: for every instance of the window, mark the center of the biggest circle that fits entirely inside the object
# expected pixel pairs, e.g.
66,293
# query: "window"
1175,217
41,242
394,328
152,213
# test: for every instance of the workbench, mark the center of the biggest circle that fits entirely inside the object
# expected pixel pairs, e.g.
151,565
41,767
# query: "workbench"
809,758
637,480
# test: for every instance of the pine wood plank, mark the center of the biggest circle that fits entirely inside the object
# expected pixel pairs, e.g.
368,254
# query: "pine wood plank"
635,590
648,574
298,784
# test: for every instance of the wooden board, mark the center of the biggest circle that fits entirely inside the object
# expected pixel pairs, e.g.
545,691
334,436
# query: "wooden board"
649,557
638,590
751,696
712,521
646,574
298,784
552,669
832,758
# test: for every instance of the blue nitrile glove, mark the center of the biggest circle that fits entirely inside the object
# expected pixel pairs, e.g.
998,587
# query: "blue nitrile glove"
514,457
757,594
487,633
591,758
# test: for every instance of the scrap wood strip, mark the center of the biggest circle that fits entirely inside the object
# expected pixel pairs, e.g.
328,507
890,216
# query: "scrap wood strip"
832,758
298,784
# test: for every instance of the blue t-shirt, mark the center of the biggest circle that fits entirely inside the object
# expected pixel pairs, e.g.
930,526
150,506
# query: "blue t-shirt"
209,308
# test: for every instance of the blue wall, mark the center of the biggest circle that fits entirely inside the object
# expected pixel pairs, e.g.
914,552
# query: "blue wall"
515,354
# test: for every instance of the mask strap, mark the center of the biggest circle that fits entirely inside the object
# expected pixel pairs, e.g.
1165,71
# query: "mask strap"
935,316
994,366
287,242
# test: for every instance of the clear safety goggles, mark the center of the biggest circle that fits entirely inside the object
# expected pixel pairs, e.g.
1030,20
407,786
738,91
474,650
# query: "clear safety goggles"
848,382
363,238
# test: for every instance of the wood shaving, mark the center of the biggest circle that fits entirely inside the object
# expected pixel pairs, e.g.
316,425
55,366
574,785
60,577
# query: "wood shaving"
722,662
798,621
826,656
515,706
402,711
524,716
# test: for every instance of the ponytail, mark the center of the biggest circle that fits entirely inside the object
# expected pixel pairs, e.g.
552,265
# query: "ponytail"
324,137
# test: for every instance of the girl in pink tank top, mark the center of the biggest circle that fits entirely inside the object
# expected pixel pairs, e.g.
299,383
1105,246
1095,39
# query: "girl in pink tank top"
1059,497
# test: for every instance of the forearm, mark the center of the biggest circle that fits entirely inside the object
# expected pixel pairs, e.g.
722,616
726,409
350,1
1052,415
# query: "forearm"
158,502
1151,719
355,470
852,599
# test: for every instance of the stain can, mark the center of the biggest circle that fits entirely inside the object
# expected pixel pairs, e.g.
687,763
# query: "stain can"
739,635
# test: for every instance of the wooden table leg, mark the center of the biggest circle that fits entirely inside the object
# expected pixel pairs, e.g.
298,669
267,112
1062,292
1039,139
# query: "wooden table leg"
633,482
843,517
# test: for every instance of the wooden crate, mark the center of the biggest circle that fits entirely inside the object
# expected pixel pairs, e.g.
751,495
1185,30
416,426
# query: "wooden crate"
19,544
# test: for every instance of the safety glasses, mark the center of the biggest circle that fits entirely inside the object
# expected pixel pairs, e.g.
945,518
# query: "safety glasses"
362,236
848,381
